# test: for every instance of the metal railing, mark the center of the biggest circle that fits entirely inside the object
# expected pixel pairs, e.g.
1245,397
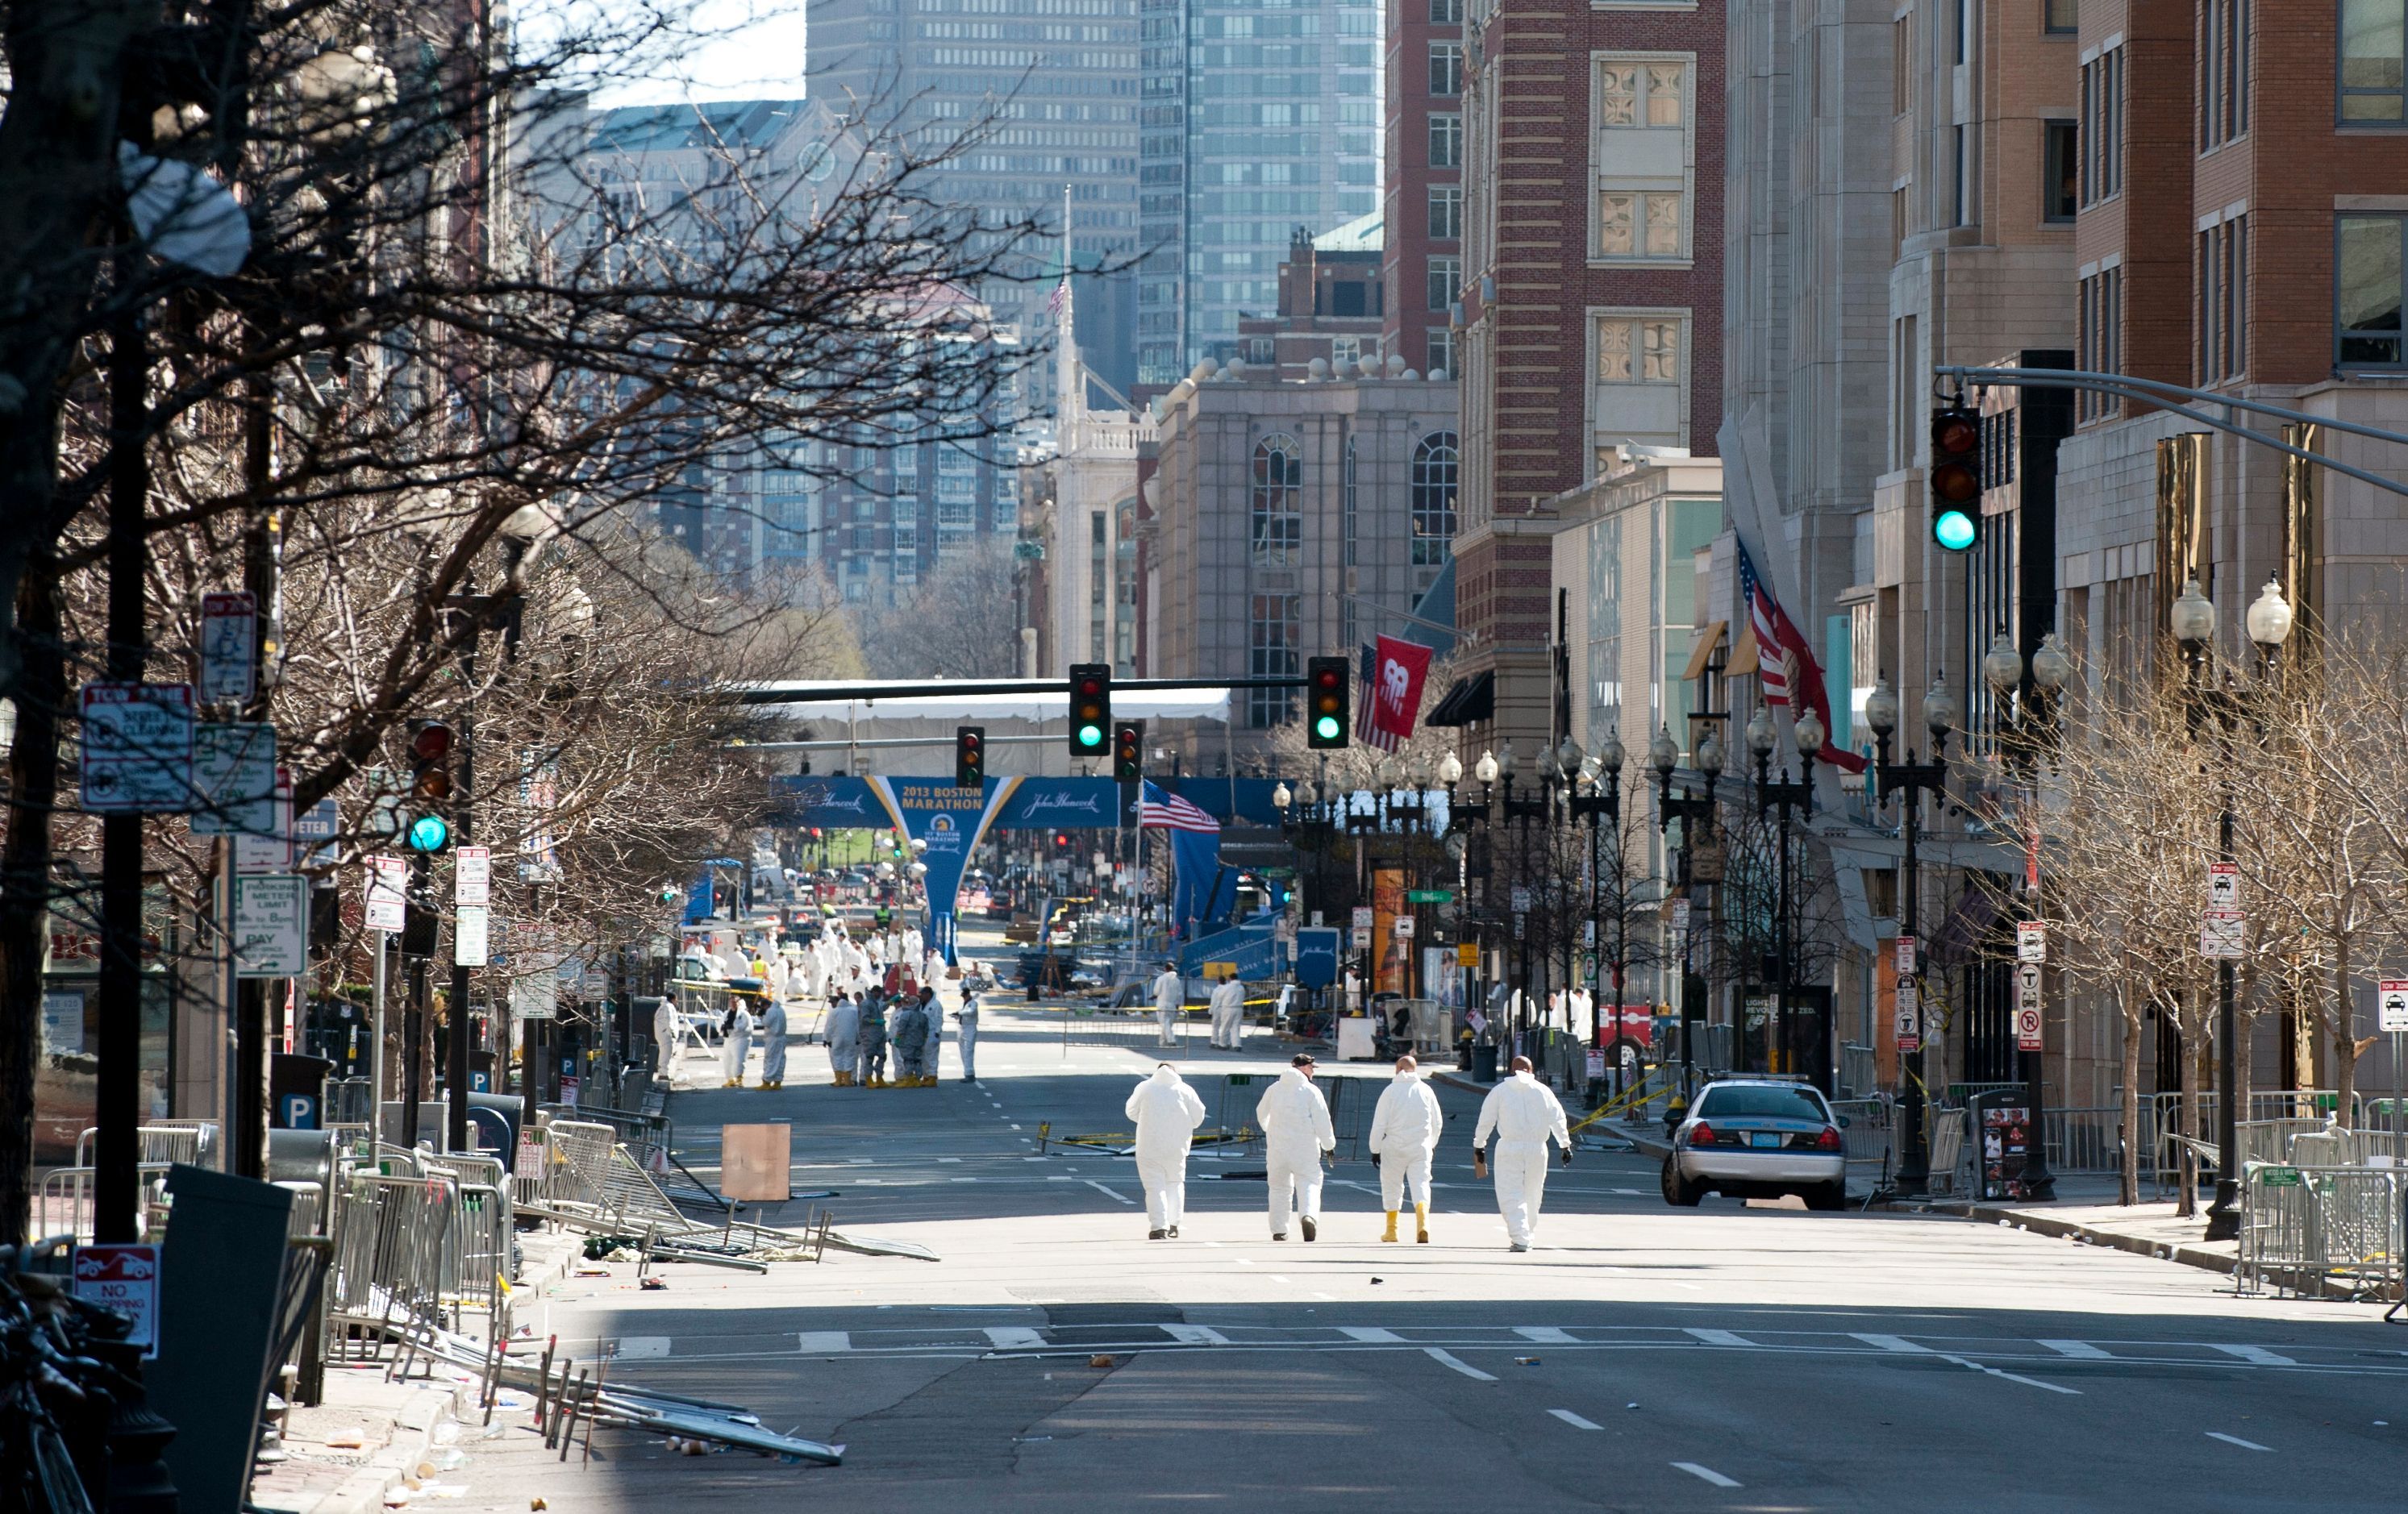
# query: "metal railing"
193,1141
1868,1130
1948,1150
2316,1230
63,1201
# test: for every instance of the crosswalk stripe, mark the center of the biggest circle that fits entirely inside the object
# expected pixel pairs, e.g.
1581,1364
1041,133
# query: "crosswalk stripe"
1893,1343
1708,1473
1721,1337
1545,1335
2258,1354
1575,1421
1372,1334
1015,1337
826,1342
2081,1350
641,1348
1451,1360
1196,1335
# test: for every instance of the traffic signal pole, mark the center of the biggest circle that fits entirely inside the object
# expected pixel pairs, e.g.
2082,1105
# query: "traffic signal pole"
456,1126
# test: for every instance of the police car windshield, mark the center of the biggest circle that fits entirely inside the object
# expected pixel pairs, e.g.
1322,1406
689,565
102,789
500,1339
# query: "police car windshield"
1761,1101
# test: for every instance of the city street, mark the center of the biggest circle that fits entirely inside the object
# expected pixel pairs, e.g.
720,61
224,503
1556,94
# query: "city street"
1639,1357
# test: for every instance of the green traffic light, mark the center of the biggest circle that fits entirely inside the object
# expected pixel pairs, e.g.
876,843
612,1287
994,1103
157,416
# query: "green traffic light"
1091,736
1325,728
428,832
1954,529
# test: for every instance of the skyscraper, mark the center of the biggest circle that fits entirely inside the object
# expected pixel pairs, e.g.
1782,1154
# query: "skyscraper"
1257,120
1050,88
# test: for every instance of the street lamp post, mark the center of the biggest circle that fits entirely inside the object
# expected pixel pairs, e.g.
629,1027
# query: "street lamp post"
2192,620
1914,778
2003,666
1695,813
1784,796
1596,801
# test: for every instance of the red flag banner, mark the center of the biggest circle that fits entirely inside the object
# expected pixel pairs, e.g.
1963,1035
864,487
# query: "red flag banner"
1392,695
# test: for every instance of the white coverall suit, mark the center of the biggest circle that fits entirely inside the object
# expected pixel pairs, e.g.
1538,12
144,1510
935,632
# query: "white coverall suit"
1294,1120
739,1045
967,1017
1170,998
773,1044
844,1037
1525,1115
1166,1112
664,1037
1228,1005
1405,1128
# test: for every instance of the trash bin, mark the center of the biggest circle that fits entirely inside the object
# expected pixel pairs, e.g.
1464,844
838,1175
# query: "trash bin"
1484,1062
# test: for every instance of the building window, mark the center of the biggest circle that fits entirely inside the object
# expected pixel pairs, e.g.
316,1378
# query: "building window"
1902,65
1446,68
2101,339
1270,653
2224,301
1961,210
2224,70
1446,140
1434,477
1278,532
2058,17
2060,173
1444,279
1446,13
1099,561
2101,136
1347,519
1345,351
1442,351
2366,292
1642,159
1637,349
2373,82
1446,212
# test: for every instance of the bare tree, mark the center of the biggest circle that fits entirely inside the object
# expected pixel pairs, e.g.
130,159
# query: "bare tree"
959,621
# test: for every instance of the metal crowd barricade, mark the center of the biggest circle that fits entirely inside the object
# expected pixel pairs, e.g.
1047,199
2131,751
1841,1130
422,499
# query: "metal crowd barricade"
348,1102
194,1142
63,1204
1948,1149
2311,1229
396,1251
642,1133
1870,1134
1860,1073
2084,1140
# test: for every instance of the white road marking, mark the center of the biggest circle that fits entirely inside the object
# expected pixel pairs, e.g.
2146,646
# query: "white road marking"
1633,1191
2011,1377
642,1348
2236,1440
1706,1472
1191,1334
826,1342
1372,1334
1015,1127
947,1159
1032,1159
1450,1359
962,1180
1721,1337
2258,1355
1101,1189
1015,1337
1277,1279
1326,1298
1544,1335
1245,1260
1066,1177
1575,1421
1894,1343
2081,1350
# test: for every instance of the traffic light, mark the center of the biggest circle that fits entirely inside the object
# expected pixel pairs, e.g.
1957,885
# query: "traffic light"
1091,708
425,827
1128,752
1325,714
1956,478
421,919
969,756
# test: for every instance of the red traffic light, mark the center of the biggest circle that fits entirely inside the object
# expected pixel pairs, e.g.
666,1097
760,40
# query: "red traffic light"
1956,432
1061,841
1090,687
431,742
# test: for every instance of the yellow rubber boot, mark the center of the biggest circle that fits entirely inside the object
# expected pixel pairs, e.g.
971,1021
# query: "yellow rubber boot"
1392,1226
1421,1223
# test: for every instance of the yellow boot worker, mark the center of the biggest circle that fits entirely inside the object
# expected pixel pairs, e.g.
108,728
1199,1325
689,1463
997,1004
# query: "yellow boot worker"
1405,1128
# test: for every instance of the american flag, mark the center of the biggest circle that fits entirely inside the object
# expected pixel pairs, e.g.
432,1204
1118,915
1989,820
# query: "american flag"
1160,811
1054,301
1785,666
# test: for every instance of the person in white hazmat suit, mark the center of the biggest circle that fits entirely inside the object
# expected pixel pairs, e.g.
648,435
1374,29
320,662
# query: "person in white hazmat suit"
1229,1009
844,1038
1405,1128
1166,1112
773,1044
1294,1122
666,1032
1525,1115
967,1017
738,1029
1170,998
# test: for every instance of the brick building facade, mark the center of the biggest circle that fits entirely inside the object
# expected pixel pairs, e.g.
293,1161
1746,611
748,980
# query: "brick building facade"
1423,192
1592,304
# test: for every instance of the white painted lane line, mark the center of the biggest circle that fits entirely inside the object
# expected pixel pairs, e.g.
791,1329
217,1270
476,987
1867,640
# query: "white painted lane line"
825,1342
1450,1359
961,1179
1015,1337
1544,1335
1632,1191
1706,1472
2236,1440
1277,1279
641,1348
1192,1334
1326,1298
1575,1421
1215,1245
2011,1377
1244,1261
1372,1334
2081,1350
1101,1189
1721,1337
2258,1355
1894,1343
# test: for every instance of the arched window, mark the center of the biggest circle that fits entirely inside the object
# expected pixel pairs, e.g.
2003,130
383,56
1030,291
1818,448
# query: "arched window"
1278,516
1433,498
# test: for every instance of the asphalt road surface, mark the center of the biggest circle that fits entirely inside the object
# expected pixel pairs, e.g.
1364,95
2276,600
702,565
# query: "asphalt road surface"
1731,1357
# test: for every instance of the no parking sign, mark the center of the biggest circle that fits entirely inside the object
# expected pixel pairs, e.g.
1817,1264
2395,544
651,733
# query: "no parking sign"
125,1279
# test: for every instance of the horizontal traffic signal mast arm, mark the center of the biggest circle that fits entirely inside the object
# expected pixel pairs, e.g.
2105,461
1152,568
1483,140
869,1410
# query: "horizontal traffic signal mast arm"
2164,396
816,693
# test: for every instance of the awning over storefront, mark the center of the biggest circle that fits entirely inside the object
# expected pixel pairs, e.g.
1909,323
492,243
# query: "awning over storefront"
1472,700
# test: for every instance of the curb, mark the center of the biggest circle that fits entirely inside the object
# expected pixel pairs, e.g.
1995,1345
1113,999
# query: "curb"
364,1491
2042,1224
